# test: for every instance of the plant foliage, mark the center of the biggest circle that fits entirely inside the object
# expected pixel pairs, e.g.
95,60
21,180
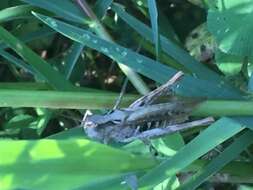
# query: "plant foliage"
62,58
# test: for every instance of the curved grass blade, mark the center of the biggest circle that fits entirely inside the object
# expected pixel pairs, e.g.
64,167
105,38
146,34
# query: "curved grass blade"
18,121
23,9
192,151
60,99
44,117
44,32
180,55
229,154
19,63
101,7
189,86
70,11
67,9
17,12
53,77
71,60
67,164
101,31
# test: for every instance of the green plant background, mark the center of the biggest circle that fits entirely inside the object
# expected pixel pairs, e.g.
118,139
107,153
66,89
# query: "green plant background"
59,60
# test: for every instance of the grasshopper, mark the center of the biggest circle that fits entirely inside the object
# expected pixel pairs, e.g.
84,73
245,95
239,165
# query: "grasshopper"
144,118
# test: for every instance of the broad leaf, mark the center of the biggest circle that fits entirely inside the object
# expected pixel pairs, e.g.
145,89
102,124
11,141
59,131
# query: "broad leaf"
63,164
230,24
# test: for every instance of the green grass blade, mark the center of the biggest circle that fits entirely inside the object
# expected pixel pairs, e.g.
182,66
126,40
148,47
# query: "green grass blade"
65,165
24,86
164,58
154,23
44,32
19,63
20,12
189,86
102,32
224,108
111,182
101,7
228,23
166,27
53,77
243,169
42,122
17,12
168,46
18,122
40,86
60,99
73,133
229,154
67,9
192,151
71,60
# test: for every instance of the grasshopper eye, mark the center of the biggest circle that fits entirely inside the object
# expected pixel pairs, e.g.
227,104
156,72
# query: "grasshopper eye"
89,124
117,121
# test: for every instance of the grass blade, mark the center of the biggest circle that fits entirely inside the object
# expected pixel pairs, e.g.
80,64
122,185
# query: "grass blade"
224,108
58,99
166,27
17,12
73,133
67,9
112,183
229,154
192,151
24,86
167,46
243,169
49,74
44,32
144,65
70,11
19,63
72,58
101,7
154,22
102,32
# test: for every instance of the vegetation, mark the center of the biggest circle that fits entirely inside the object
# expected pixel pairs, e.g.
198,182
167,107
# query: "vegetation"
61,58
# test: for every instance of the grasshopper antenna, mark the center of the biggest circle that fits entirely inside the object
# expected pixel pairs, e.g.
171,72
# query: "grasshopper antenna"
122,92
123,89
160,91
